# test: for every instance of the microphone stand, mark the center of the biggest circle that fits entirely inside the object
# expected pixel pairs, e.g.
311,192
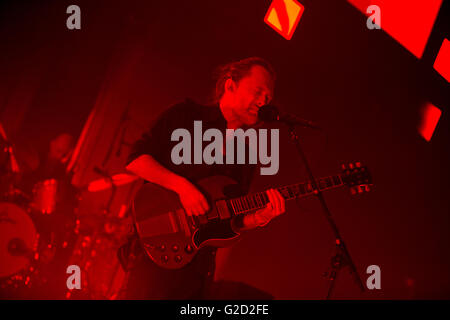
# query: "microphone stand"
120,129
104,174
342,257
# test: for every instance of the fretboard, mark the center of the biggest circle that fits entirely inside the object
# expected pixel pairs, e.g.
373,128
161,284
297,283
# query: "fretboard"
259,200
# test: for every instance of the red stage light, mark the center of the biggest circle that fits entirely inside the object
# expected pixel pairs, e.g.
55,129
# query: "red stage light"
283,16
408,21
429,119
442,62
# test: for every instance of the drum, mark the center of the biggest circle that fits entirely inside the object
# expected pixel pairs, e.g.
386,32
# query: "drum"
45,196
18,240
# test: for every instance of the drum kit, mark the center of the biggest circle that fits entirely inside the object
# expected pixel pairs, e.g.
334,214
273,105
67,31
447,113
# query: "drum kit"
24,249
30,235
33,234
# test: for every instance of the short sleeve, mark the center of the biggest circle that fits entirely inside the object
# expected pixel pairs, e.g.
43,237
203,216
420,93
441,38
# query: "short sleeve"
156,141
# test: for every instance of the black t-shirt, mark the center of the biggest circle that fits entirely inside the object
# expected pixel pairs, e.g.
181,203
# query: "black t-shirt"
157,143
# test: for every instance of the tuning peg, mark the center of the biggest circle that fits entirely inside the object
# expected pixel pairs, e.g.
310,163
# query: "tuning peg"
343,167
367,188
358,164
360,189
351,166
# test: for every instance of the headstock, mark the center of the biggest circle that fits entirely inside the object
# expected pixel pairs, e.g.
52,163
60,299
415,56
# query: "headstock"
356,177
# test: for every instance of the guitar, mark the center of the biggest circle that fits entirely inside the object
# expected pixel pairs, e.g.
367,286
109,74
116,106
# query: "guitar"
171,238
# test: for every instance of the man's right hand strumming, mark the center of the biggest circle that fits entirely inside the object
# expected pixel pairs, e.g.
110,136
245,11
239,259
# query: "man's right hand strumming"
193,201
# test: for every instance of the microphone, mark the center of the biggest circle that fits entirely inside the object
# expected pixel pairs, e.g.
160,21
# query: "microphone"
269,113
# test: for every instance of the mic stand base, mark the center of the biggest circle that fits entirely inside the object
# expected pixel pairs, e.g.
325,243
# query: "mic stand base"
342,257
338,262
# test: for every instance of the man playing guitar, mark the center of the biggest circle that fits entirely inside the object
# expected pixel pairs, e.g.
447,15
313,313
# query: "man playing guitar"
242,88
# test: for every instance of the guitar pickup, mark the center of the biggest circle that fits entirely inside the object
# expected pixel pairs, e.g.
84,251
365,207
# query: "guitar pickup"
182,218
159,225
222,209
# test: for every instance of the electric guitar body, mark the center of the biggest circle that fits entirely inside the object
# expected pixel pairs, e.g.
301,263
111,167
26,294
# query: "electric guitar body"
169,236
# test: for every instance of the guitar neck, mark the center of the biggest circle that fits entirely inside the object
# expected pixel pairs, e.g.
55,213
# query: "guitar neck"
255,201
